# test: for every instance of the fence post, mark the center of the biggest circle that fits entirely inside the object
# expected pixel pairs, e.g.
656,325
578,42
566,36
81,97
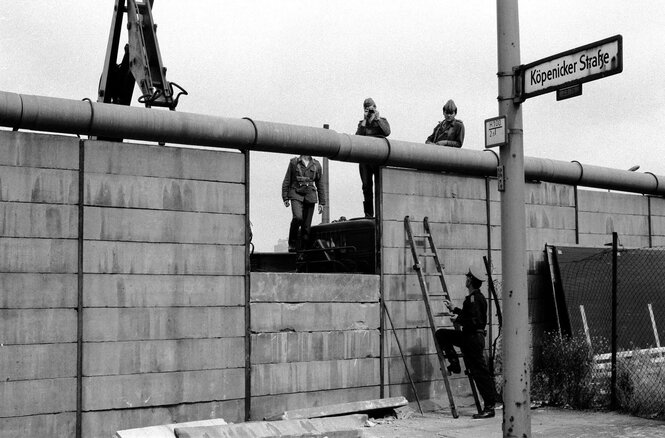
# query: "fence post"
613,383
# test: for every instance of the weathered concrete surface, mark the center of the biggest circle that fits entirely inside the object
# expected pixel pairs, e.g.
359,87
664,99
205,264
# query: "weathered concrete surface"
545,423
344,426
164,430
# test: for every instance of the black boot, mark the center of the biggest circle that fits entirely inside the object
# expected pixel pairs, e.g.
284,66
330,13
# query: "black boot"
454,367
368,207
488,412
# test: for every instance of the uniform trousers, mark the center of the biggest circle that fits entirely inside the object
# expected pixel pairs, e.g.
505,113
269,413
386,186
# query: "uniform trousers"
301,222
367,174
472,345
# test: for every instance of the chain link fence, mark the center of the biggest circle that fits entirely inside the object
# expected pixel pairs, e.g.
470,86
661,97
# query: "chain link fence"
611,312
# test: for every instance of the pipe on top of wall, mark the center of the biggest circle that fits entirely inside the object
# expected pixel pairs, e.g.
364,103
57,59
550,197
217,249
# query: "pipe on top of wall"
50,114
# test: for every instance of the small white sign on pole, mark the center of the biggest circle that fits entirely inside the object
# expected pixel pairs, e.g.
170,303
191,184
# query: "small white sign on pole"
495,132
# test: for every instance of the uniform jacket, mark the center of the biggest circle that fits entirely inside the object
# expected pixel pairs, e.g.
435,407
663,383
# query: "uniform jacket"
473,314
304,183
378,128
449,133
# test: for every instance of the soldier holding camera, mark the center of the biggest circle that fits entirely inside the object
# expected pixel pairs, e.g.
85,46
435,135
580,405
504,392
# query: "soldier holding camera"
375,126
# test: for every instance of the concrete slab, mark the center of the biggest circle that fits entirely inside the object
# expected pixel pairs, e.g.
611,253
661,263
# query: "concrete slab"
164,430
342,408
348,426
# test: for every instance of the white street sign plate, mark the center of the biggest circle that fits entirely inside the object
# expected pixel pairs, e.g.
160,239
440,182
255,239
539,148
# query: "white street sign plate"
495,132
583,64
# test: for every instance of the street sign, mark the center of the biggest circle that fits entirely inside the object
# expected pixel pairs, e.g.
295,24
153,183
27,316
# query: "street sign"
495,132
565,70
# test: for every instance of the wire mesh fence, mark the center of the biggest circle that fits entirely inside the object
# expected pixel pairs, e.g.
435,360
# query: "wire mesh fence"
612,319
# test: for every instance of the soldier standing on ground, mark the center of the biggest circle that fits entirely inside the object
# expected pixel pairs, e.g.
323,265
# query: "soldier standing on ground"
375,126
472,317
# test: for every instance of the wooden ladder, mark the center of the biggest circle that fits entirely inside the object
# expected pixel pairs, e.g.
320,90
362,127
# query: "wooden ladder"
429,242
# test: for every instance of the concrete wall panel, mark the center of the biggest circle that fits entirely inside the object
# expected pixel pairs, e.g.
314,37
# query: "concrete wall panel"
37,255
140,324
161,389
52,425
606,223
55,395
600,201
37,361
23,149
164,162
31,290
37,326
138,357
298,288
136,290
428,184
164,194
50,186
166,258
454,210
282,347
313,376
38,220
275,317
156,226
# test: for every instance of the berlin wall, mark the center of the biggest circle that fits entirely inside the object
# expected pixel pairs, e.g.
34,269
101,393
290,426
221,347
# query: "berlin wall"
127,299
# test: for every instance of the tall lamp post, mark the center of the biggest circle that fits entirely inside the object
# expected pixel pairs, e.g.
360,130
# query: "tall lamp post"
516,358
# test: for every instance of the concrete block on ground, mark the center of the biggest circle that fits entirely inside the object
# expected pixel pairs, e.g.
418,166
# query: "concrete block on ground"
342,408
165,430
344,426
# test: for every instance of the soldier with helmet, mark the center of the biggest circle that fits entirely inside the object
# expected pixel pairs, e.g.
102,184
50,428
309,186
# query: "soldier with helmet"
450,131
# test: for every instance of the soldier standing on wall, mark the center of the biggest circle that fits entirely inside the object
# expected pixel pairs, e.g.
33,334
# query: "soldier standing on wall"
374,126
450,131
302,188
472,317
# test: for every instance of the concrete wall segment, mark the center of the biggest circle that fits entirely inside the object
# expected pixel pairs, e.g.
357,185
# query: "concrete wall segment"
30,290
162,389
50,186
282,347
153,356
275,317
136,290
164,162
23,149
137,324
299,288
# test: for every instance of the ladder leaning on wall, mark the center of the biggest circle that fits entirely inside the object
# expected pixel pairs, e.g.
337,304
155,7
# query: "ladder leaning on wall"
429,244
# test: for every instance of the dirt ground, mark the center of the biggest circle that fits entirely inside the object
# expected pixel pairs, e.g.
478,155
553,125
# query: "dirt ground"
545,422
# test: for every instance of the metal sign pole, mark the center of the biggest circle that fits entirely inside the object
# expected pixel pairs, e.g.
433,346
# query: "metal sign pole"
516,358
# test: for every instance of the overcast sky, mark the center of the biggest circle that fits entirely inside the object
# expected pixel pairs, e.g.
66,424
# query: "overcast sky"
310,62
